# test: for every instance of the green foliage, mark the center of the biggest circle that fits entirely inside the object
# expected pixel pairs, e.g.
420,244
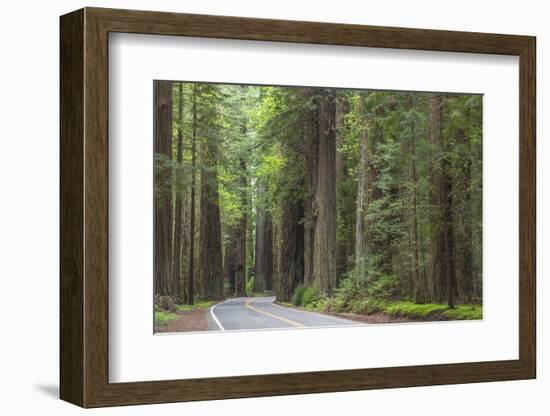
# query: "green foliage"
385,286
305,296
309,295
322,304
162,318
424,311
395,309
298,295
414,310
198,305
262,128
464,312
250,285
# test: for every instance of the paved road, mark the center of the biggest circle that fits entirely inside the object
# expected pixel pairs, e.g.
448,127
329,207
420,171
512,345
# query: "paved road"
262,313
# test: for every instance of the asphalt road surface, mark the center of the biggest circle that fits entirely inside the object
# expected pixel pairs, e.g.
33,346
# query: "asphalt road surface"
262,313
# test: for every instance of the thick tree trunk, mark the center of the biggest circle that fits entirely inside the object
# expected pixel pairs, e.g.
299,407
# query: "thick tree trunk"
438,266
361,211
418,278
231,258
259,265
291,257
264,248
463,213
186,210
210,256
191,275
240,278
276,244
448,278
448,232
468,232
176,272
311,154
419,284
324,255
268,252
163,204
343,251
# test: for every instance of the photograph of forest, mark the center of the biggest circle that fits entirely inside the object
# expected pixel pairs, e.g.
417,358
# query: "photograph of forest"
290,207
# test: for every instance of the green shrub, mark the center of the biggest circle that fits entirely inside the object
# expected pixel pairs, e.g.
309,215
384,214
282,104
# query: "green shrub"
414,310
375,306
196,305
250,285
384,286
465,312
354,285
162,318
319,303
340,305
358,306
309,294
324,304
423,311
298,295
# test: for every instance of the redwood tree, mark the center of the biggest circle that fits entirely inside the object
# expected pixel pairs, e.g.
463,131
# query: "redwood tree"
177,252
324,253
210,252
163,189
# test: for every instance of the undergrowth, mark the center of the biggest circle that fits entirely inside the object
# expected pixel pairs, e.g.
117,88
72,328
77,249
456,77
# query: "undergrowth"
162,317
308,298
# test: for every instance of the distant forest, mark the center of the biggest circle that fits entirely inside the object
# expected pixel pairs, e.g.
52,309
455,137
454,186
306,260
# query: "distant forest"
354,196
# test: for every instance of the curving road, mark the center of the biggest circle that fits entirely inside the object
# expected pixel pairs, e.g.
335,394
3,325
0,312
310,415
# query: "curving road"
262,313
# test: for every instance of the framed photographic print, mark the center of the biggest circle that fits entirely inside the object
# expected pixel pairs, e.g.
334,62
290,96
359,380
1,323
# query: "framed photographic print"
256,207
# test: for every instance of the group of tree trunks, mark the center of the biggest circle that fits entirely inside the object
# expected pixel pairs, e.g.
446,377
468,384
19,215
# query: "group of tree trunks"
310,186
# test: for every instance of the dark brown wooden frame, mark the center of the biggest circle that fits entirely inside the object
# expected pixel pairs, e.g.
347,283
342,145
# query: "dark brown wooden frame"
84,209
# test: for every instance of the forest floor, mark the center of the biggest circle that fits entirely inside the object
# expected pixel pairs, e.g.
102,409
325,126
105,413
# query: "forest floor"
186,321
400,311
377,318
187,318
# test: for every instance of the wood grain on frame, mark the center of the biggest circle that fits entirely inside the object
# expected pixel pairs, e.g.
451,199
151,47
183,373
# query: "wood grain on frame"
84,207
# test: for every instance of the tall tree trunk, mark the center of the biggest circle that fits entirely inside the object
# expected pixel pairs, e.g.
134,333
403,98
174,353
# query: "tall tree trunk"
362,192
291,257
231,258
419,283
468,233
438,267
240,278
448,280
311,154
342,218
448,232
268,252
163,204
463,212
186,233
210,256
427,297
324,255
410,281
191,275
276,257
176,272
264,249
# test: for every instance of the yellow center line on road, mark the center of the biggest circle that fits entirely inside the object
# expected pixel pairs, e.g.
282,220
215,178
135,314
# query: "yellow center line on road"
280,318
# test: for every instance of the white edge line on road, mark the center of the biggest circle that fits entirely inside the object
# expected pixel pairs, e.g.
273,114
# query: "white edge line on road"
214,316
